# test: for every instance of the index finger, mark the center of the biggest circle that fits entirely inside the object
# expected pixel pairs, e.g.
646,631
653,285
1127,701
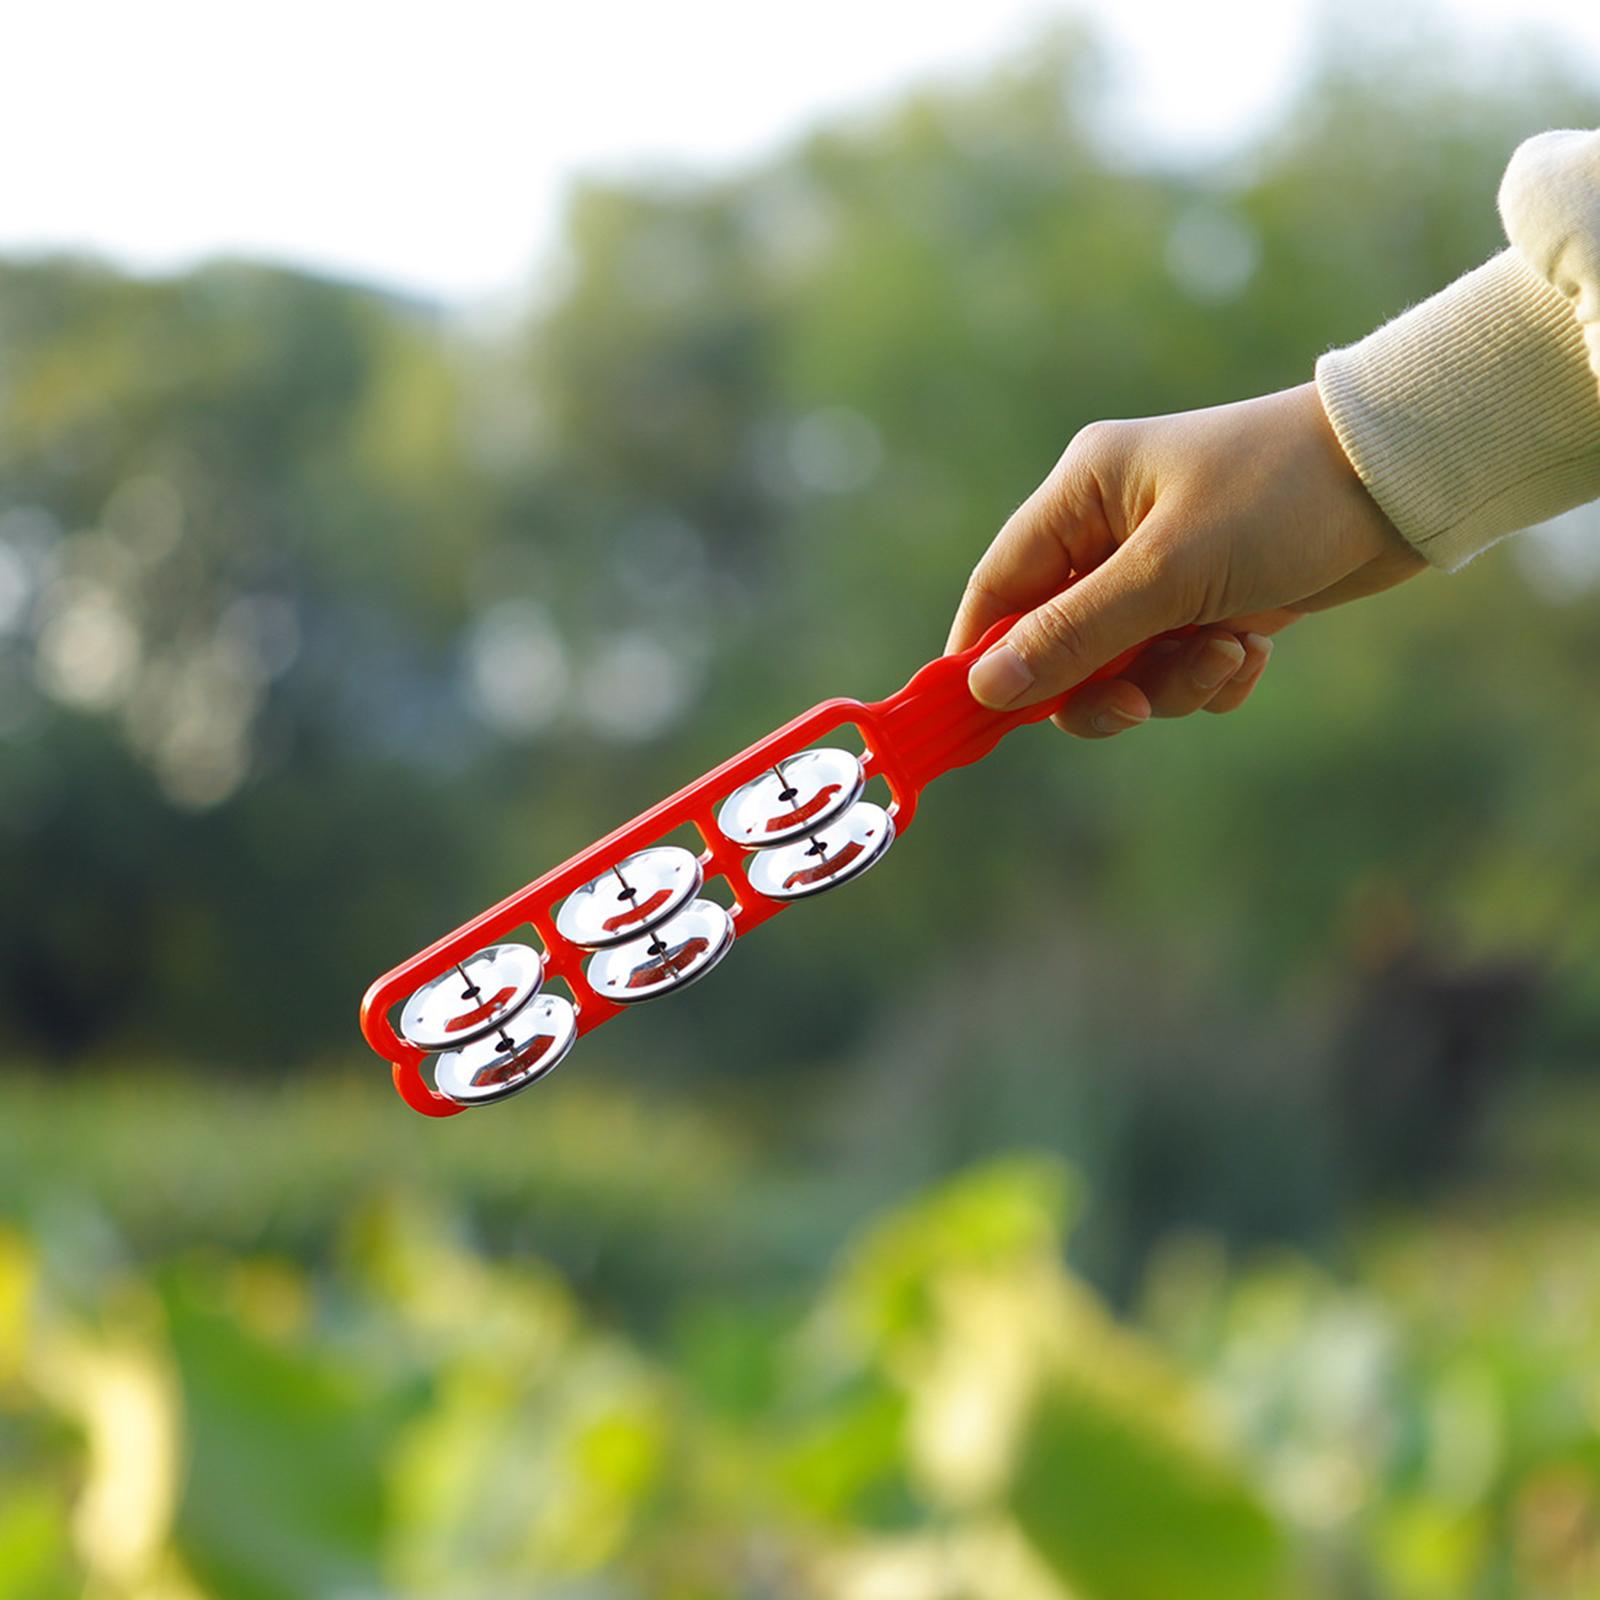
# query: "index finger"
1045,542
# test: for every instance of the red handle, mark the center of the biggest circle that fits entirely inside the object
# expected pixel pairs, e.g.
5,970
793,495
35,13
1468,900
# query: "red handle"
933,724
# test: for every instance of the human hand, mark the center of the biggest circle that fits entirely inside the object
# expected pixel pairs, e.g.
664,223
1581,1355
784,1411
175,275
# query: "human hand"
1238,519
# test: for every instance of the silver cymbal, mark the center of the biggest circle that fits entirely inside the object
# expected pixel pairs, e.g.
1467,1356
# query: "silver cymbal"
800,795
839,852
532,1043
638,894
670,957
473,998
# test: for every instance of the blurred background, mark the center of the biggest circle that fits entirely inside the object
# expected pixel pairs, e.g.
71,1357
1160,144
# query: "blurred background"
427,439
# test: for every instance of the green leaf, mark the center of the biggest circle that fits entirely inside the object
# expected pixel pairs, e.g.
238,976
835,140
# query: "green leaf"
848,1466
1123,1513
285,1493
991,1216
36,1560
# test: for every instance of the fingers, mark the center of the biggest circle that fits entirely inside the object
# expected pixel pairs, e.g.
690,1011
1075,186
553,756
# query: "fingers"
1024,564
1172,678
1215,671
1238,688
1061,528
1127,599
1180,676
1104,709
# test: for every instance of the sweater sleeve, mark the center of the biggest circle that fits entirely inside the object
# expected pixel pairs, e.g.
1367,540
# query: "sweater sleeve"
1477,412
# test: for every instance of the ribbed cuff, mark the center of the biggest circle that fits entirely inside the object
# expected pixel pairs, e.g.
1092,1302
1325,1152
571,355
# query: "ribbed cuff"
1473,414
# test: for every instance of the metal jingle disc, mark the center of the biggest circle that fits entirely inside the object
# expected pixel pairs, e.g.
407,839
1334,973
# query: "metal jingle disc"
473,998
841,851
532,1043
801,795
671,957
636,895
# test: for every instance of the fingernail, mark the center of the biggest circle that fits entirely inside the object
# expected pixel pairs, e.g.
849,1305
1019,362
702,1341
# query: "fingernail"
1217,662
1113,720
999,678
1259,642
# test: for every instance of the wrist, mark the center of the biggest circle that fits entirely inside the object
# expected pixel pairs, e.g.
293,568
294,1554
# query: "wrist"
1353,504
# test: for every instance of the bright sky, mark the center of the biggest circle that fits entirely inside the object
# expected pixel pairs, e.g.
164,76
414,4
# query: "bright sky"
427,146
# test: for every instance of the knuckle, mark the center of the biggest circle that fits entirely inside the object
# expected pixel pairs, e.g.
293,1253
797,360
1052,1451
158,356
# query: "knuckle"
979,585
1091,455
1082,481
1096,441
982,597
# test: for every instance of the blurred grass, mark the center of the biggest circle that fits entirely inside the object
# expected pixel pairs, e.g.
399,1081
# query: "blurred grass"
614,1186
617,1189
422,1408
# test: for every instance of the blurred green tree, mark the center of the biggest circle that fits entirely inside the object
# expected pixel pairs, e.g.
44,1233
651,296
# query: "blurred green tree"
324,620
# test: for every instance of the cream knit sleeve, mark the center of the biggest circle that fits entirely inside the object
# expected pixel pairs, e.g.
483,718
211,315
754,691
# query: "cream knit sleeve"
1477,412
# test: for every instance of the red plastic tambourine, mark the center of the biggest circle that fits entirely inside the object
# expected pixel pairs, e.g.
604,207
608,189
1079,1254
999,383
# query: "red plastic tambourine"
625,920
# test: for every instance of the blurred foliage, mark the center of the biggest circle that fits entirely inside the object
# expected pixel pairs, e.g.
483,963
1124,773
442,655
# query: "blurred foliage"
946,1413
326,618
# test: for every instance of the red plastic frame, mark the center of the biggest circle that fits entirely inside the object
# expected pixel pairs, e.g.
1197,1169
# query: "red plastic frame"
931,726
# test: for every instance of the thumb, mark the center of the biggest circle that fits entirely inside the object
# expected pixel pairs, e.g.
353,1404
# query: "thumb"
1127,599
